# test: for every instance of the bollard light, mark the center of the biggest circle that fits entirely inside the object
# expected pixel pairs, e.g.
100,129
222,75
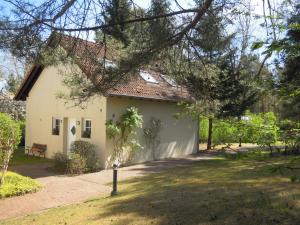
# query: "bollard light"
115,180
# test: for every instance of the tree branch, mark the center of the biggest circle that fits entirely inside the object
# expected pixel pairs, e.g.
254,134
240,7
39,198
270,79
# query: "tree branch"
142,19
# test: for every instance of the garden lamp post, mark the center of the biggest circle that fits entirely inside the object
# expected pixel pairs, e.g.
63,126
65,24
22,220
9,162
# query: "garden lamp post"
115,180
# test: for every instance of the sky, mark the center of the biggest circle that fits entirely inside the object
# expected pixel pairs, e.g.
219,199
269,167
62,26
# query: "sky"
257,32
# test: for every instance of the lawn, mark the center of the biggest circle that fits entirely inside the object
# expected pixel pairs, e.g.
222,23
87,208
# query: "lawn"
241,191
15,184
20,158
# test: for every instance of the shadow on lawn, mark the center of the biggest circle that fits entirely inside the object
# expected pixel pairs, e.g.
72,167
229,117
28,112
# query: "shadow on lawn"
207,192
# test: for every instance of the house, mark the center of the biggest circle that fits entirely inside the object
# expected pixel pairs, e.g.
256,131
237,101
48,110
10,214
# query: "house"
50,121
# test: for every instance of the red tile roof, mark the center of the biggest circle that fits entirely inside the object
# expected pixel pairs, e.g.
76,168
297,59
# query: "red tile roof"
136,86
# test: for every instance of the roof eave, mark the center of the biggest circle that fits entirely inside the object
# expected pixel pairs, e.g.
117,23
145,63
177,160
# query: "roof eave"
151,98
28,82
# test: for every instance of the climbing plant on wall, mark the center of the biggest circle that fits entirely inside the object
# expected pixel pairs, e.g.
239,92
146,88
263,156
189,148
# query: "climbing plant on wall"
123,135
151,135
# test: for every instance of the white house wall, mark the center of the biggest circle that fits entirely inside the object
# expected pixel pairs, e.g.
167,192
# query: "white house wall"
43,104
178,137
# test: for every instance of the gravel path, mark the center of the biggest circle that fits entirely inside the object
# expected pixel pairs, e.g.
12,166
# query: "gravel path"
59,190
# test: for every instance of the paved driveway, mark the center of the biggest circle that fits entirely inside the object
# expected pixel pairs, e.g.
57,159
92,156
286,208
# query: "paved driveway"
61,190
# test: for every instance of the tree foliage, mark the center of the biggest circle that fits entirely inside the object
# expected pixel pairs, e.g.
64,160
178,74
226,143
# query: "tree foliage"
261,129
10,135
13,83
290,81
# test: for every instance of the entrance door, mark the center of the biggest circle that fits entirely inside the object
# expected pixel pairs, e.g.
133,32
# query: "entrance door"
69,133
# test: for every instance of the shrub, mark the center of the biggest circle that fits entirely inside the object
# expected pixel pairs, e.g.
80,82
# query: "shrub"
294,178
81,159
60,162
290,135
262,129
77,164
267,137
203,129
88,152
287,124
10,135
224,132
15,184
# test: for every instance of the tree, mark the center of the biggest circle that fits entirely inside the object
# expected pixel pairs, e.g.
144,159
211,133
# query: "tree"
224,81
10,135
162,29
13,83
27,31
290,80
208,44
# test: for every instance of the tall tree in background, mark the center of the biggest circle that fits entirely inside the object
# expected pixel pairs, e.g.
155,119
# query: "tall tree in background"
221,80
207,45
13,83
290,81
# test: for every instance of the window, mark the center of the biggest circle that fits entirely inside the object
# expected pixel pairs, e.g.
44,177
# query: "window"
108,64
147,77
87,128
169,80
55,126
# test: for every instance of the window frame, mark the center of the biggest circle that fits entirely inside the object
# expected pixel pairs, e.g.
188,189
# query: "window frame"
55,126
86,130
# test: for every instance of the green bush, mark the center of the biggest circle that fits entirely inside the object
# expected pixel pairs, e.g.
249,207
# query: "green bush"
10,135
81,159
60,162
287,124
260,129
290,136
15,184
77,164
224,132
88,152
203,128
295,178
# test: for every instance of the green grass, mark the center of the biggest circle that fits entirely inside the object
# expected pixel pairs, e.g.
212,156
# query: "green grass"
15,184
218,191
20,158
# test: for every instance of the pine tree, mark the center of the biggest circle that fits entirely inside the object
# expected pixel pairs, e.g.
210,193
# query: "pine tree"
290,81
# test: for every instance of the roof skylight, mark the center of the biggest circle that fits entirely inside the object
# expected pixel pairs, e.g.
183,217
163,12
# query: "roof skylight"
147,77
109,64
169,80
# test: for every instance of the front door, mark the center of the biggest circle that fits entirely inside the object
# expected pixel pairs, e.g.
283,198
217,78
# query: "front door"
69,133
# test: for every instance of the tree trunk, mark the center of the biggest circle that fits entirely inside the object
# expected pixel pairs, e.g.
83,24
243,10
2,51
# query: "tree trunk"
210,125
4,168
271,150
240,138
198,134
